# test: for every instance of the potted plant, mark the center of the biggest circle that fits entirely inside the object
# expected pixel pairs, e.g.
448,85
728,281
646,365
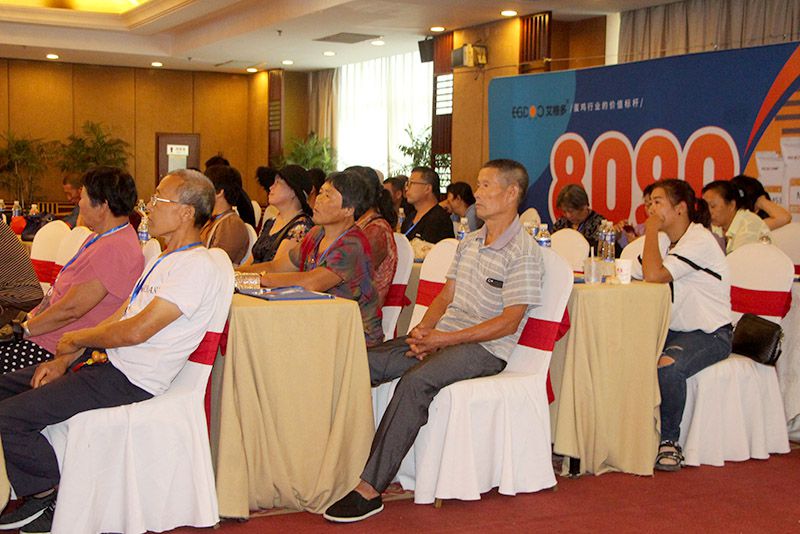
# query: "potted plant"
95,147
311,152
22,163
419,151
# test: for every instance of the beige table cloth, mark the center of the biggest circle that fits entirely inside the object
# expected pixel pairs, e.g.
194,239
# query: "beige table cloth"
605,379
293,422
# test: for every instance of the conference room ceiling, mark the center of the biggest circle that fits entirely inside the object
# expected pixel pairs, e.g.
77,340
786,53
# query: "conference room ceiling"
231,35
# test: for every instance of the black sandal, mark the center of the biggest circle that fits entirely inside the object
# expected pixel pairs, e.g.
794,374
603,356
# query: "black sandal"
672,452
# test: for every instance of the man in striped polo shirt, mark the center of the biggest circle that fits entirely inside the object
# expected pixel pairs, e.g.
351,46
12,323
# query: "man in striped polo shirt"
469,330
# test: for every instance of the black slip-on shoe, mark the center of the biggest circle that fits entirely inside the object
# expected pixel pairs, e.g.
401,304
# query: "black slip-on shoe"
353,507
30,509
42,524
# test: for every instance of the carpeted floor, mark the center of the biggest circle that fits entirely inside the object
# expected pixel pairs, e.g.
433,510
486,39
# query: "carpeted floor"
753,496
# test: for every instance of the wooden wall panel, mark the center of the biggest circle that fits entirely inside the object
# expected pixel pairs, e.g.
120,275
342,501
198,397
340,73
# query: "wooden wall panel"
40,99
295,107
220,116
164,101
587,42
3,96
257,134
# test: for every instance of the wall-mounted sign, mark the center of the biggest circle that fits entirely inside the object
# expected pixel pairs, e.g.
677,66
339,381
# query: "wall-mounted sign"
177,150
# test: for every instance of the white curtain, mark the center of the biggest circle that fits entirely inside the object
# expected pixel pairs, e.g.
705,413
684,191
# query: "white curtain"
700,25
377,101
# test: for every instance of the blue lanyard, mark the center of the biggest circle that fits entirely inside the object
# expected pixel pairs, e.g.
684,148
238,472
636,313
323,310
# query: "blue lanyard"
318,260
411,229
142,280
89,244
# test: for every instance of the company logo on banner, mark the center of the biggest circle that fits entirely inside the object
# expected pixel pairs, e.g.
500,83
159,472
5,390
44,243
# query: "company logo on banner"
614,130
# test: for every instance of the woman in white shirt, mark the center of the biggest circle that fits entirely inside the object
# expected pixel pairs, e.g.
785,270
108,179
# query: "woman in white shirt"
729,216
700,326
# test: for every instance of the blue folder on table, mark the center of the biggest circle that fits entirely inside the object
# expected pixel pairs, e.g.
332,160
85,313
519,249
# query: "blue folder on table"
285,293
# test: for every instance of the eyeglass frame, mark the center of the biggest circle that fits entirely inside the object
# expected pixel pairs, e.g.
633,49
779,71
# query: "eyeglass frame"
412,182
156,199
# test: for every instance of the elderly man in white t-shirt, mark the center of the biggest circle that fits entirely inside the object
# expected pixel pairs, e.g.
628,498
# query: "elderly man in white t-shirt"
144,346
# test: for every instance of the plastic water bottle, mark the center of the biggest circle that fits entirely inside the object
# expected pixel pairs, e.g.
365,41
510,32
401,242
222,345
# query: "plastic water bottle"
2,205
463,228
144,229
543,237
16,210
401,218
611,239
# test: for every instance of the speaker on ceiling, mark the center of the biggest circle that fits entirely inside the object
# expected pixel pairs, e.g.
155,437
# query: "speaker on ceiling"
425,50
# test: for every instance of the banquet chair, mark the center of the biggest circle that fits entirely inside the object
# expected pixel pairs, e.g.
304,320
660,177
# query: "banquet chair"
256,211
253,236
432,277
144,466
495,431
787,238
396,298
633,251
151,249
530,215
70,245
44,250
572,246
734,410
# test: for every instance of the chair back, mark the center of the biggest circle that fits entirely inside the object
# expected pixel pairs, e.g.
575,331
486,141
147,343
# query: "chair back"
787,238
396,298
761,277
633,251
253,236
256,211
45,249
530,215
432,277
572,246
151,249
70,245
535,345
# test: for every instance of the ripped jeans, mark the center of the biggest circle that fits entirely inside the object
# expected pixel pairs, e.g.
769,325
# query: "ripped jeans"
691,352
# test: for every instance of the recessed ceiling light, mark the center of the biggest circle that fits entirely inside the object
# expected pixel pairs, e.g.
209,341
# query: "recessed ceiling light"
378,42
51,56
287,62
329,53
156,64
508,13
251,69
437,28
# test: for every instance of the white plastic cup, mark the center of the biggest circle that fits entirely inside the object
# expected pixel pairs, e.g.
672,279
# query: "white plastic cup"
592,271
623,270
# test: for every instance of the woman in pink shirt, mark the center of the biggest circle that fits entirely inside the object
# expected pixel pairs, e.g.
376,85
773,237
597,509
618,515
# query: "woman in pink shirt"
96,281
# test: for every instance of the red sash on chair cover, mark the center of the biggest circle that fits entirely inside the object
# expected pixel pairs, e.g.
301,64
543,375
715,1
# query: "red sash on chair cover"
206,353
396,296
427,291
775,303
542,335
797,269
43,270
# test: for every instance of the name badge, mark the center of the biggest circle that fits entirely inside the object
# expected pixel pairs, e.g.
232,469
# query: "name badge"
494,283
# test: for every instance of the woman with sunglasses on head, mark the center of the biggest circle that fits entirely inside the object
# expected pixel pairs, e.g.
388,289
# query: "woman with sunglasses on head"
700,328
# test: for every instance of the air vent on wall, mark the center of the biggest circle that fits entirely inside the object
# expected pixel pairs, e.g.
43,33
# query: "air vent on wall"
348,38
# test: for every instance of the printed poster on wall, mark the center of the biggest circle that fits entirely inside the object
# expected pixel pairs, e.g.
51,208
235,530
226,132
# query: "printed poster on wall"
616,129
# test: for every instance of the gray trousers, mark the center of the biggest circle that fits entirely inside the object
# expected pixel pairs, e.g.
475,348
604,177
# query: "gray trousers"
408,410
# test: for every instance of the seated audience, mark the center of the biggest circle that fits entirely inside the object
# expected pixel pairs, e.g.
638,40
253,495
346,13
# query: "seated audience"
143,346
225,229
700,326
377,223
430,222
573,201
729,218
265,176
20,290
317,177
244,205
469,330
396,186
460,202
334,256
756,199
93,284
72,183
284,232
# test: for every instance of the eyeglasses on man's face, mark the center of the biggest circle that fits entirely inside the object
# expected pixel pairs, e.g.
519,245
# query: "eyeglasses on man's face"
156,199
412,182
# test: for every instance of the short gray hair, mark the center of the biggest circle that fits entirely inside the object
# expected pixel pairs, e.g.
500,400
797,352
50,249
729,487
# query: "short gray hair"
197,191
572,197
512,173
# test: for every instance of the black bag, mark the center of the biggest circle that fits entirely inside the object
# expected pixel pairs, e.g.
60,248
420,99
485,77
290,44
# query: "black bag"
33,223
757,338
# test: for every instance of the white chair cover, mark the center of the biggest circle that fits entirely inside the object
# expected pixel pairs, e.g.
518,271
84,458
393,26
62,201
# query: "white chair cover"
397,292
70,245
734,409
151,249
633,251
251,233
572,246
256,210
143,466
530,215
787,238
44,250
432,277
495,431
